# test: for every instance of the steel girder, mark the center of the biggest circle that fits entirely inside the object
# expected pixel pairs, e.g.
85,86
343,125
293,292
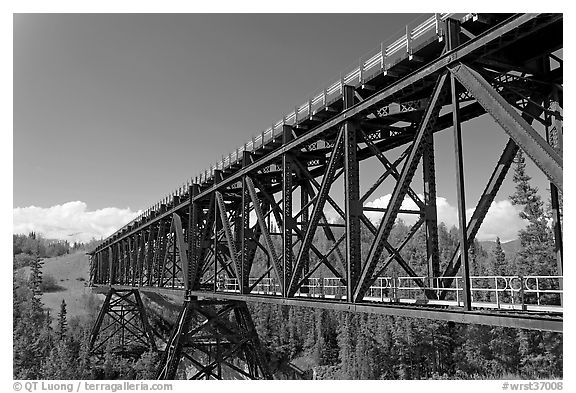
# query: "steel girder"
554,136
317,212
481,317
401,187
218,214
516,28
265,232
218,340
228,234
461,196
287,233
543,155
488,195
121,326
353,210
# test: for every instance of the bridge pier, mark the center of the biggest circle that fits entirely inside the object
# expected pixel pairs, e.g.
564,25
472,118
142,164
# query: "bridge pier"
122,326
213,339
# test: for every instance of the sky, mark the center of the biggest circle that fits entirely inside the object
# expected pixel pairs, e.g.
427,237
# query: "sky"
113,111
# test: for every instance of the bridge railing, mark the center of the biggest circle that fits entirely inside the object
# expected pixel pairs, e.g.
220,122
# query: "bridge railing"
500,292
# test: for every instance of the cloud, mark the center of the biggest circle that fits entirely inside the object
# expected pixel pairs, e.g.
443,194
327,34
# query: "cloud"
502,219
71,221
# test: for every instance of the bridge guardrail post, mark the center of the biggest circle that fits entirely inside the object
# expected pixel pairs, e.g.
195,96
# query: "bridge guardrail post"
457,292
522,300
496,292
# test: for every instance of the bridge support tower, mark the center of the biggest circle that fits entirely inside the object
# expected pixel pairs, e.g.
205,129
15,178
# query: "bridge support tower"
122,326
213,339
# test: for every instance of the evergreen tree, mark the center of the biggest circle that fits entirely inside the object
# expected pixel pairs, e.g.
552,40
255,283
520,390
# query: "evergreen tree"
499,266
525,194
62,322
536,255
345,344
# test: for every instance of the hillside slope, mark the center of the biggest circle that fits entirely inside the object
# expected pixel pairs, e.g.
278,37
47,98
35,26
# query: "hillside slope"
71,273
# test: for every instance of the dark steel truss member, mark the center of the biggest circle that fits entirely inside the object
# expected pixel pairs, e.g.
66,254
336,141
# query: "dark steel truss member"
256,227
214,339
122,326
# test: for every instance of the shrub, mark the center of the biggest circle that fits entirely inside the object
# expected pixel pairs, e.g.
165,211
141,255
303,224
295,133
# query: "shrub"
49,284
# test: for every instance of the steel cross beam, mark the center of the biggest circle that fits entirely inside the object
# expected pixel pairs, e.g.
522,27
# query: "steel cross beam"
192,268
287,253
528,139
385,175
537,322
209,222
300,234
463,238
181,244
554,138
265,232
391,168
353,203
488,195
401,187
228,234
317,211
512,29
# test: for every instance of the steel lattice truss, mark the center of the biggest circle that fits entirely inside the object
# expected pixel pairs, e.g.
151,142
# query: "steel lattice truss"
249,232
214,339
121,326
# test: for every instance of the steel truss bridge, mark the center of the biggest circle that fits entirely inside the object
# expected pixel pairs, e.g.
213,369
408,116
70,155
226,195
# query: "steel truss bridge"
246,230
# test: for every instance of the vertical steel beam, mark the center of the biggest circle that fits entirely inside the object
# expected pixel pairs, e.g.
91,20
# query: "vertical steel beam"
353,204
149,260
305,218
95,267
191,270
118,263
228,233
461,196
179,242
204,241
554,138
535,147
130,258
245,231
265,232
488,195
142,256
134,255
121,263
287,136
160,252
111,265
453,40
217,226
400,190
430,210
317,211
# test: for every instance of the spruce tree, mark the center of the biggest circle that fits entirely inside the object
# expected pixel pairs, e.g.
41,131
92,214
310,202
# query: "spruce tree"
498,259
62,322
536,255
525,194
